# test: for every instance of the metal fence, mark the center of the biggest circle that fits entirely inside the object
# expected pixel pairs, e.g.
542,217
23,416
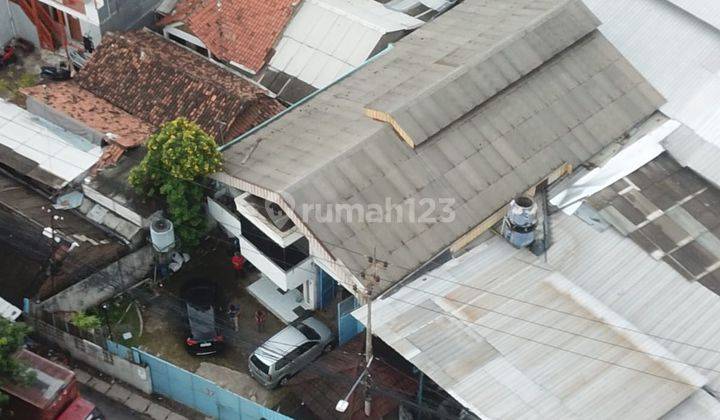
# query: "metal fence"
195,391
348,326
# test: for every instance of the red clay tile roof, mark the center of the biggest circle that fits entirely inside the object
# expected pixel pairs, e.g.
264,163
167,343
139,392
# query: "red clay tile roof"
243,31
157,81
110,156
258,112
96,113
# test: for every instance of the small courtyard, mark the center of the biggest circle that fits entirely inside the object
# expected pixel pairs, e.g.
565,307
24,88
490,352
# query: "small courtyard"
164,323
23,71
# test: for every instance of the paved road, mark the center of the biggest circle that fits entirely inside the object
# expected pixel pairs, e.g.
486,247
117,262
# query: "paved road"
111,409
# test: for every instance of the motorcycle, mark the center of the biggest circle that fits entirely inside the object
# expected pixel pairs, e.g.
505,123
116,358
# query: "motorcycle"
8,56
54,73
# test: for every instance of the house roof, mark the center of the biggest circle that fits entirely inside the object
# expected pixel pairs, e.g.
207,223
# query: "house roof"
494,95
70,99
698,153
510,335
328,38
41,150
671,213
157,81
679,61
240,31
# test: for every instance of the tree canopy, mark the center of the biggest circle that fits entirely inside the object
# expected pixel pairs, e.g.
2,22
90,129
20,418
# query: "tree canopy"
12,338
179,156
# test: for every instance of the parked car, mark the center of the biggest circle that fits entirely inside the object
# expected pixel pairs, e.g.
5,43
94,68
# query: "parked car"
204,336
288,351
421,9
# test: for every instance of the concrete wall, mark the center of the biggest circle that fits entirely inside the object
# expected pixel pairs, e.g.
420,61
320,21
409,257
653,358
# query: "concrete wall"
64,121
7,32
15,23
95,356
104,284
123,15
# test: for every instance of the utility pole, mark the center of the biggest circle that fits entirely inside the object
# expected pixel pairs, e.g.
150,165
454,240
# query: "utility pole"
371,277
52,263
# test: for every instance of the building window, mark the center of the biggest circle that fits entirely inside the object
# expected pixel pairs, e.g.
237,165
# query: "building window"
177,39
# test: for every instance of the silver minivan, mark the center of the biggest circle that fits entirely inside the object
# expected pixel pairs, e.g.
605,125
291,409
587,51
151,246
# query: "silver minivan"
288,351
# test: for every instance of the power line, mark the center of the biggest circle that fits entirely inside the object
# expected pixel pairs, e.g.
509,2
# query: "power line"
514,299
505,296
437,265
543,343
535,305
238,338
538,323
547,326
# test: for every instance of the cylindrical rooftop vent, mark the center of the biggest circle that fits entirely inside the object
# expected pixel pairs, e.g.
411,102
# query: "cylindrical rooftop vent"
162,235
520,222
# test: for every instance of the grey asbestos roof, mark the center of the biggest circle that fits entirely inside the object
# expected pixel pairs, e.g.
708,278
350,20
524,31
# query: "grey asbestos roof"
479,105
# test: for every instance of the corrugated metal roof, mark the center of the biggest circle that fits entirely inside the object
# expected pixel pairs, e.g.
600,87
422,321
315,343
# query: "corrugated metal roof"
671,213
701,405
492,127
511,336
53,150
694,151
328,38
706,10
649,293
675,44
8,310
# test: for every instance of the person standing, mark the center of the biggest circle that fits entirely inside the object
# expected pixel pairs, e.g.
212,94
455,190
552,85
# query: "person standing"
233,313
260,319
238,262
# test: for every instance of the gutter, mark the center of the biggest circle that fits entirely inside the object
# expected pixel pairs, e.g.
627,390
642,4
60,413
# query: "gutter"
302,101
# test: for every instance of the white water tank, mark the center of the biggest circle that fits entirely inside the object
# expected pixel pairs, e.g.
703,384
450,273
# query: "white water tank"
520,222
162,235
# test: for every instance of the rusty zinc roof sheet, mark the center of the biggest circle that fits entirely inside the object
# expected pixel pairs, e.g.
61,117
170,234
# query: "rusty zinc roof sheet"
672,213
243,31
157,81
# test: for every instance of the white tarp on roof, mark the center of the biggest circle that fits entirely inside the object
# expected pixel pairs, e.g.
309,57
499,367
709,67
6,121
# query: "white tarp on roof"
646,148
328,38
59,152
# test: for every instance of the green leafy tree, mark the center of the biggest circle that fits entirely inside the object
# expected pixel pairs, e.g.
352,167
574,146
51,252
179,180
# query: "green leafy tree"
12,338
85,321
178,159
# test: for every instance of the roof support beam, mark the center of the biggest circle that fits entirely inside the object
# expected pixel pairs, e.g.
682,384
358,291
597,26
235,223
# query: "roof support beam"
387,118
494,218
